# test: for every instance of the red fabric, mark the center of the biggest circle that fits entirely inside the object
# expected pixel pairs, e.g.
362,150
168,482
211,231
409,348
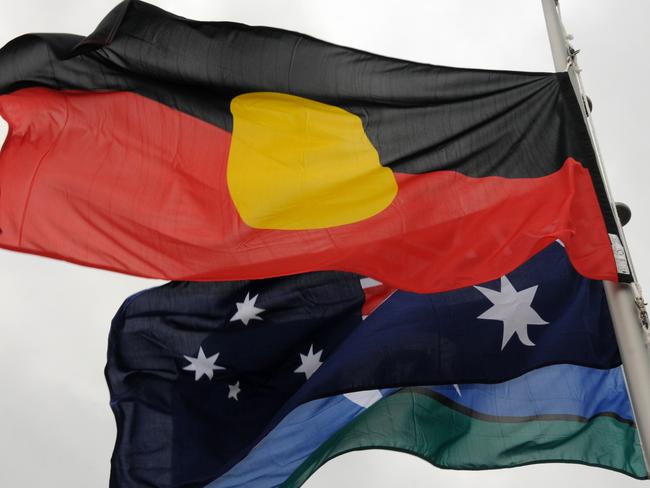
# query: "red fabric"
118,181
374,297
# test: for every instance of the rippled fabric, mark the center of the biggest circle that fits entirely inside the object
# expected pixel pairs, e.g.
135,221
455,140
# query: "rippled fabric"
201,372
561,392
126,152
439,430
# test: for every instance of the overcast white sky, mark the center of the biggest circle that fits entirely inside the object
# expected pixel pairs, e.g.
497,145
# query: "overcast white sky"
56,428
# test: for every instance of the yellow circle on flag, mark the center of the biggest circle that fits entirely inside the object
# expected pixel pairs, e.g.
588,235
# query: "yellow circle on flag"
295,163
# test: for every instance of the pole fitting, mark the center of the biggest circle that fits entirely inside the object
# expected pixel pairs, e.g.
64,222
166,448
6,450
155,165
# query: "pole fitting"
643,316
571,59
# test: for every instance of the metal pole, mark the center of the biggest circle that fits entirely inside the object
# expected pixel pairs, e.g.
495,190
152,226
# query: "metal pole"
556,35
625,301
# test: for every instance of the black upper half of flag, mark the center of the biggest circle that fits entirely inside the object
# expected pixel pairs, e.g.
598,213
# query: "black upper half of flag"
199,372
419,117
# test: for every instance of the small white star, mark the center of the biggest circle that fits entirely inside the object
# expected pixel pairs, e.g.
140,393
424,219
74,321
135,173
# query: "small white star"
247,311
514,309
202,365
310,362
233,391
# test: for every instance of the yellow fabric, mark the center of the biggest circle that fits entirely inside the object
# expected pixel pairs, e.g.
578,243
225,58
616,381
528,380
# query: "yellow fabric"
297,164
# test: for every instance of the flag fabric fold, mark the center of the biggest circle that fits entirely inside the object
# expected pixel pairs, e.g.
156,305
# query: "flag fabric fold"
441,431
201,372
170,148
548,396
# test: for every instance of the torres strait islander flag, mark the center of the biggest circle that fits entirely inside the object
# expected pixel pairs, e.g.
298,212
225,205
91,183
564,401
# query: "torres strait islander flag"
171,148
257,383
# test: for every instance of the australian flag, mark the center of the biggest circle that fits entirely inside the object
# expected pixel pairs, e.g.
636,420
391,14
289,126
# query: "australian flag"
201,373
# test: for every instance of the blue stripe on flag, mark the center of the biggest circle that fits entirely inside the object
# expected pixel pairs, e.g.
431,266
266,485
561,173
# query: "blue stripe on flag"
559,389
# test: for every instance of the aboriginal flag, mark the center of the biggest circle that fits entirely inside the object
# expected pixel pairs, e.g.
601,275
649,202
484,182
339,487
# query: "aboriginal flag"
171,148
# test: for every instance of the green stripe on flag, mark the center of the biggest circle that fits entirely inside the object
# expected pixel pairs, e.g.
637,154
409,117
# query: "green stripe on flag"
450,436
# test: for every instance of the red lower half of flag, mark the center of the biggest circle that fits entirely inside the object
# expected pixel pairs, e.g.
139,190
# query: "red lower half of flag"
118,181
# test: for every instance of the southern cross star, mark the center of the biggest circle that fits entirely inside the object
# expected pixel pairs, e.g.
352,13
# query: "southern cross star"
514,309
202,365
247,311
309,362
233,391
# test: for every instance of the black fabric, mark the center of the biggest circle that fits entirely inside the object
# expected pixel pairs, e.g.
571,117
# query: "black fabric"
477,122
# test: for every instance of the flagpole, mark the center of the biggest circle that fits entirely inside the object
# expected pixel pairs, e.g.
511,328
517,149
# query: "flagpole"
625,301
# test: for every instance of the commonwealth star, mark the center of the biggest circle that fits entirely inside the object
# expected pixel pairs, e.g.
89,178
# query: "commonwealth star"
514,309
